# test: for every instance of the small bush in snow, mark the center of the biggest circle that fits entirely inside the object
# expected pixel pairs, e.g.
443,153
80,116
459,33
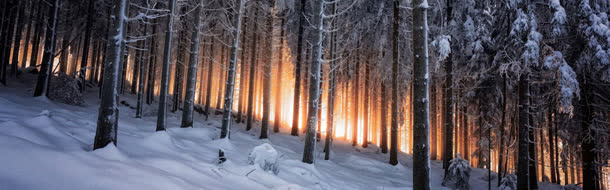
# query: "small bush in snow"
65,89
458,175
572,187
266,157
509,182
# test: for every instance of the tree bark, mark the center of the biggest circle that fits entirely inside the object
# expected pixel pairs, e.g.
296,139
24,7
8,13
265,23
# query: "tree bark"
394,111
226,117
314,85
242,71
297,73
191,76
162,111
421,146
17,45
42,85
87,37
251,89
331,87
278,93
523,159
267,75
141,84
152,65
26,45
448,101
208,94
108,116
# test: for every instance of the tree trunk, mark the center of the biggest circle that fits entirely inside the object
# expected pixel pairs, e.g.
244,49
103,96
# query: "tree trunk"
142,68
533,173
523,159
267,75
17,42
26,45
421,146
433,120
49,49
314,85
162,111
278,93
152,65
124,54
588,153
251,89
226,117
331,87
365,124
208,94
191,76
87,37
223,69
297,73
448,101
355,98
180,61
384,118
242,71
108,116
394,122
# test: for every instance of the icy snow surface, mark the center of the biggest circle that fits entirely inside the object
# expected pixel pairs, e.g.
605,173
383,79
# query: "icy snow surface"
47,145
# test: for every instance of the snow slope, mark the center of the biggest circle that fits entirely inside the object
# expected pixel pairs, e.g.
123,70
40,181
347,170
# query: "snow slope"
47,145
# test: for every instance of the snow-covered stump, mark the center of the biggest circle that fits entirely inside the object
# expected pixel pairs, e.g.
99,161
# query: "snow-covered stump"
266,157
459,174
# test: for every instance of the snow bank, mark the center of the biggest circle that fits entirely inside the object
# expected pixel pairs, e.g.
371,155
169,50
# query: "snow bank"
266,157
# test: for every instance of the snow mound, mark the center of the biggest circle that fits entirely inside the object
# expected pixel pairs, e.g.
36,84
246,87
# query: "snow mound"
266,157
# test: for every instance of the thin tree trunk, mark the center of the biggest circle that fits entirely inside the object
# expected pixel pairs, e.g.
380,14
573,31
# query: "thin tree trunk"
108,116
226,117
85,56
448,101
365,124
314,85
208,93
297,73
28,35
161,118
17,45
355,99
384,118
394,111
49,49
191,82
141,84
433,120
251,89
8,40
278,93
267,75
180,62
242,74
150,92
523,159
223,69
421,146
331,87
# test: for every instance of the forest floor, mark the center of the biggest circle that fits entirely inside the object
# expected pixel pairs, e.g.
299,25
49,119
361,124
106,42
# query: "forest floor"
48,145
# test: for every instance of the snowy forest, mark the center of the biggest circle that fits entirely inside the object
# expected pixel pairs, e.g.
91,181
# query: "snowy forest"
305,94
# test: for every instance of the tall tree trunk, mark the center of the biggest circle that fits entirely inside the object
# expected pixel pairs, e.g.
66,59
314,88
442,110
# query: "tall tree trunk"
226,117
523,159
26,45
124,54
588,154
108,117
533,174
314,85
223,69
42,84
421,146
384,118
17,45
162,111
448,101
8,39
267,75
365,124
191,81
251,89
394,122
355,98
242,71
141,84
297,73
87,37
208,94
150,90
433,120
331,87
278,93
180,61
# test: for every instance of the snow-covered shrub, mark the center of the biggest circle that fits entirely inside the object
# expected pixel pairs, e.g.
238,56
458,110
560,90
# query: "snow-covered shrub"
266,157
458,175
65,89
509,182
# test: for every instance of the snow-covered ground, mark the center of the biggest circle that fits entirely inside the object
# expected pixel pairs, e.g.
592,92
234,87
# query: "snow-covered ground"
48,145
